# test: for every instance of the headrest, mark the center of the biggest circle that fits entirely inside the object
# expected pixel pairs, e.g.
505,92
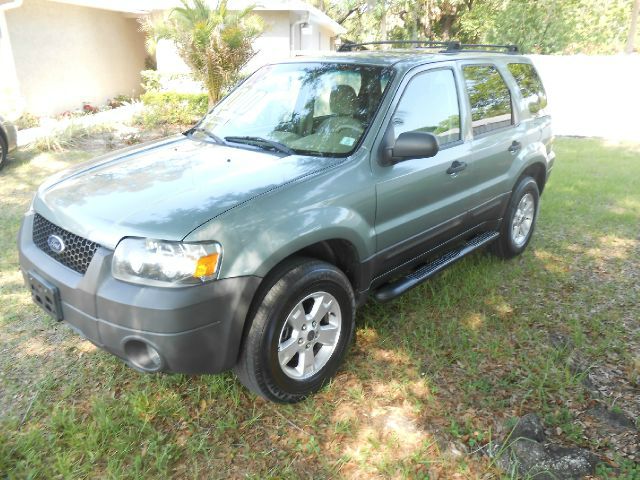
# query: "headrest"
343,100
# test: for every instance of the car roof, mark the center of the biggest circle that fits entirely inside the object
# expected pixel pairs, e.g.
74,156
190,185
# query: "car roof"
405,57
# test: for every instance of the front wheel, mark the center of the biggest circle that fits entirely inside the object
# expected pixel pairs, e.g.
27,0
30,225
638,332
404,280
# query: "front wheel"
300,332
520,219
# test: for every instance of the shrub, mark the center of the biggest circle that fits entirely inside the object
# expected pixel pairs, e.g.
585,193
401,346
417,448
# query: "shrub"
69,137
88,108
172,108
214,41
119,101
150,80
27,120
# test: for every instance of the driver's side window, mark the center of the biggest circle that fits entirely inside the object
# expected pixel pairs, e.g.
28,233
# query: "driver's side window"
430,104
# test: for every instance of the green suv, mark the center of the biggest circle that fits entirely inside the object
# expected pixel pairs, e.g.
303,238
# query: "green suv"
249,241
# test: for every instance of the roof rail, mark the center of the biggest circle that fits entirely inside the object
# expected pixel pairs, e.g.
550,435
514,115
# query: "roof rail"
351,46
482,47
447,47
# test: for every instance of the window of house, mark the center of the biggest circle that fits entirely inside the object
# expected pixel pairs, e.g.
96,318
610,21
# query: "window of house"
530,87
430,104
489,97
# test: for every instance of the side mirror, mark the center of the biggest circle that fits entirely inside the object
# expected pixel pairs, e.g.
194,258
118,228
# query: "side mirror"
408,145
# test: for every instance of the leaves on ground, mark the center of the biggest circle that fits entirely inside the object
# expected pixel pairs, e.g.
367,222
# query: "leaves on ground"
433,378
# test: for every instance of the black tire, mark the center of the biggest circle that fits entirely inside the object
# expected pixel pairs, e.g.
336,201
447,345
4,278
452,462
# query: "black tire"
3,151
506,246
258,367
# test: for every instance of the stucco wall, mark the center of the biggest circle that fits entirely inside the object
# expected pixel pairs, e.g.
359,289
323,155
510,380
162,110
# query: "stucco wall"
9,98
65,55
274,44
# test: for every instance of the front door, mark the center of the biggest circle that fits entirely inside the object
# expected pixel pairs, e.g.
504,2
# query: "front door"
421,201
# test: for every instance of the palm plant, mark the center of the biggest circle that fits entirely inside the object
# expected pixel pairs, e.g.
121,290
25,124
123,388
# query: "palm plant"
213,41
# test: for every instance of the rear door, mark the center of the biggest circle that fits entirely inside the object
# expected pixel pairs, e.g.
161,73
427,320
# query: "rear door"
533,103
497,138
419,203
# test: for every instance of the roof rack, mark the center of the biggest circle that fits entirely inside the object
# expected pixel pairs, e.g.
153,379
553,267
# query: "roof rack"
447,47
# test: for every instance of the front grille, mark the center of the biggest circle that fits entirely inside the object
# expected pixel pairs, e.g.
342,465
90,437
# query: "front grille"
78,251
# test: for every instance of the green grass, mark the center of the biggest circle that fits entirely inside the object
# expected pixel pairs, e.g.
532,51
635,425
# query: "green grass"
449,363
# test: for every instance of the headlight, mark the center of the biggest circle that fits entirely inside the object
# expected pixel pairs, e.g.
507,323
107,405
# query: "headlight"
166,264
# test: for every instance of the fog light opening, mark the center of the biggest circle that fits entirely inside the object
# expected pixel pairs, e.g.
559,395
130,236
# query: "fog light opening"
143,355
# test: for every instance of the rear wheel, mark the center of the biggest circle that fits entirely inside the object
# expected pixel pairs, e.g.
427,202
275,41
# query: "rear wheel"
300,331
519,221
3,151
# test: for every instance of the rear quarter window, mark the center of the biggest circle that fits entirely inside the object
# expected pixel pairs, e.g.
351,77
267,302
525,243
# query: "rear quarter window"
530,86
489,97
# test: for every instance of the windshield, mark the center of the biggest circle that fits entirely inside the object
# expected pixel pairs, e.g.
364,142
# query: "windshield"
304,108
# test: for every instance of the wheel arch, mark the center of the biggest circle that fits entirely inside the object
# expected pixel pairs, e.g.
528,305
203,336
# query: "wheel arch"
538,171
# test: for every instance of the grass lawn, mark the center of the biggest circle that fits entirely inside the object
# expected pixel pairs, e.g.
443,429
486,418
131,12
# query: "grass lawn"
432,377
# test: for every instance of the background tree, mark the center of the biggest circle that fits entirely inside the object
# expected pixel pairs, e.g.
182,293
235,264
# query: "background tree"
214,42
543,26
631,37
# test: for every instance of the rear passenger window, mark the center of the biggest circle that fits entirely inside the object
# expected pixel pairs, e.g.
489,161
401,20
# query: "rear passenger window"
530,87
430,104
489,97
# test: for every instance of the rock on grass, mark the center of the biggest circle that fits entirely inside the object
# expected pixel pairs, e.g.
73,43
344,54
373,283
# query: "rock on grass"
526,453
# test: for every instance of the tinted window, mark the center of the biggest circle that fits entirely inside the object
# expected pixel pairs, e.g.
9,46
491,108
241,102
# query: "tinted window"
489,97
530,87
430,104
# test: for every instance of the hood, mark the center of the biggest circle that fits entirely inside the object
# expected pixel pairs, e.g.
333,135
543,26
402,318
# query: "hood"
164,190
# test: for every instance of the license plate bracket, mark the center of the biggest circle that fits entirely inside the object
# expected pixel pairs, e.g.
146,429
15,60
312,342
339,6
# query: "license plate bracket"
45,295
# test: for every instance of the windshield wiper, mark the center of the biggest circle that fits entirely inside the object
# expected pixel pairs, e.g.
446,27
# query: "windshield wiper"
209,134
262,142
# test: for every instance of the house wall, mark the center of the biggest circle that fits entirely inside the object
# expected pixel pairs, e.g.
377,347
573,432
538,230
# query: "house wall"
274,44
9,93
316,40
65,55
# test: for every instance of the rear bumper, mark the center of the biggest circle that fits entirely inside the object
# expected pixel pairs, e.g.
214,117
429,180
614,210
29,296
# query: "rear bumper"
192,329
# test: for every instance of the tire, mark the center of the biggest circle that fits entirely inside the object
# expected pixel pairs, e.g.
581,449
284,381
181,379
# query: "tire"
306,310
4,151
519,220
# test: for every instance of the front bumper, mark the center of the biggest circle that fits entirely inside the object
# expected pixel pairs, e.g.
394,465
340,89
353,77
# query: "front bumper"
193,329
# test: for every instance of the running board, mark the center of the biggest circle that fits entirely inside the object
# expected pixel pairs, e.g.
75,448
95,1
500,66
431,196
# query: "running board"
402,285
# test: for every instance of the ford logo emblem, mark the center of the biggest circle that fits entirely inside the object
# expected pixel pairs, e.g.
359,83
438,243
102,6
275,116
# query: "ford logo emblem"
56,244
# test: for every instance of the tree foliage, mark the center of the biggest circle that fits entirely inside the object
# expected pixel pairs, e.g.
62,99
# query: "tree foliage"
214,42
540,26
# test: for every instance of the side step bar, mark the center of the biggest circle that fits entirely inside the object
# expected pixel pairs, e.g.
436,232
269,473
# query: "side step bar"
402,285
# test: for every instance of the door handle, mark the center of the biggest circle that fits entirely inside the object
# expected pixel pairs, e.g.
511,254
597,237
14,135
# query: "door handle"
456,167
515,147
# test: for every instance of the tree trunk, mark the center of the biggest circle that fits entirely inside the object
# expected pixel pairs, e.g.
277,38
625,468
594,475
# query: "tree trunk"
383,21
446,26
632,28
426,21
